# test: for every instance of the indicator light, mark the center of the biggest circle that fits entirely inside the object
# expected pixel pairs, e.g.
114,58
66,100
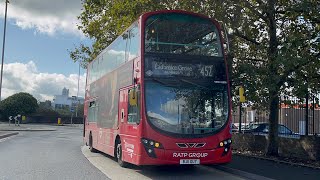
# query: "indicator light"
156,145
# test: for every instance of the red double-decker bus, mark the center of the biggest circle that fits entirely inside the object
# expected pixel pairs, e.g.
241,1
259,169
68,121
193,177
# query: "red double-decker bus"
159,94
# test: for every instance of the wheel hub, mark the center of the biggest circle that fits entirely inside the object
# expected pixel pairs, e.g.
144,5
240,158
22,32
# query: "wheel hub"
118,151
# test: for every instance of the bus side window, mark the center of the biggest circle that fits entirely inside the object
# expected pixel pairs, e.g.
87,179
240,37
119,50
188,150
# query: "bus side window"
133,109
92,111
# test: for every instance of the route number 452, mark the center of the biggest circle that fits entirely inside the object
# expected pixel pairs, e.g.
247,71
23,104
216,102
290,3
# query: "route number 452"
206,71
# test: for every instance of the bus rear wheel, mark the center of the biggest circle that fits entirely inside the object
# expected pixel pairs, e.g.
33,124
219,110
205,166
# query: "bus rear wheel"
91,144
119,155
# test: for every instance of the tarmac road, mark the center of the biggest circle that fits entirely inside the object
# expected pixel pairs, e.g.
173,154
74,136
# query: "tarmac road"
60,154
46,155
38,155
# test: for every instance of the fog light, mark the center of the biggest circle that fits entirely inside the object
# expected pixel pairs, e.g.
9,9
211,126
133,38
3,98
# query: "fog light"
150,151
225,149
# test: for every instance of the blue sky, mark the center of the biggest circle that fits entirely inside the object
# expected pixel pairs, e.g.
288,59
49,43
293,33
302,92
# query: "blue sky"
48,52
39,34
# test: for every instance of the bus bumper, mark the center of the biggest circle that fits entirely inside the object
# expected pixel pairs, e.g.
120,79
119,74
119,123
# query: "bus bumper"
176,157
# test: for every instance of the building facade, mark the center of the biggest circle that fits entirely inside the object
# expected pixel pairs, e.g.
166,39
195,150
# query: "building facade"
64,101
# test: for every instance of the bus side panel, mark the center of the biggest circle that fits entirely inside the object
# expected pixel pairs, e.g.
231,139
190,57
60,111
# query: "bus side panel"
128,131
106,138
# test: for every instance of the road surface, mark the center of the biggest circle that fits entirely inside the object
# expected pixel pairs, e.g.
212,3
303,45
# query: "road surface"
46,155
59,155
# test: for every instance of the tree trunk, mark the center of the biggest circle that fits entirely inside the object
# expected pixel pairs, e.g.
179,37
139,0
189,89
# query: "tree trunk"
273,143
274,88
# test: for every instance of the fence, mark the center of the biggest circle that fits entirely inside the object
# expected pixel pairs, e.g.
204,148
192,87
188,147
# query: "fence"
301,116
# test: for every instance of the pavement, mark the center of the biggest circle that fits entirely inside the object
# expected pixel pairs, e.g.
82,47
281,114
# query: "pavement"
26,127
245,166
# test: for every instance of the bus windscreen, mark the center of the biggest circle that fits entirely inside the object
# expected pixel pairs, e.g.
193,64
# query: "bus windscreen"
181,34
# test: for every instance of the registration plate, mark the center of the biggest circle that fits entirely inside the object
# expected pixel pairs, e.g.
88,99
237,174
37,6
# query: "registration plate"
189,161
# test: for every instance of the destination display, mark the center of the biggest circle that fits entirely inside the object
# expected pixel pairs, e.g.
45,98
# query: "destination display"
172,68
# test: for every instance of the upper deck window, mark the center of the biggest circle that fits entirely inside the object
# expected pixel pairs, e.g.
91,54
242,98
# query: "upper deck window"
181,34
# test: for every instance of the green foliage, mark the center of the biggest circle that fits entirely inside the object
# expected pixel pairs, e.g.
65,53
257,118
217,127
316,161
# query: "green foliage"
45,105
45,112
80,110
64,112
20,103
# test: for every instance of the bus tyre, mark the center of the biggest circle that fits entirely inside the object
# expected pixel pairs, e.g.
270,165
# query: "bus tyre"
90,144
119,155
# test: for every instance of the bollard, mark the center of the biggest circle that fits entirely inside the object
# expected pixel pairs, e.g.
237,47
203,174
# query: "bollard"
59,121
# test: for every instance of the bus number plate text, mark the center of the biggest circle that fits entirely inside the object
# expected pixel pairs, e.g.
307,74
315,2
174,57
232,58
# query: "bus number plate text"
189,161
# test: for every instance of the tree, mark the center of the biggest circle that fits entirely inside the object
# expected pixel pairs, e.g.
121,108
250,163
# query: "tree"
80,110
274,43
45,105
20,103
276,50
64,111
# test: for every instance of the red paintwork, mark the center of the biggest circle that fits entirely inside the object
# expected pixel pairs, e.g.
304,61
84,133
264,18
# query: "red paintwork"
131,134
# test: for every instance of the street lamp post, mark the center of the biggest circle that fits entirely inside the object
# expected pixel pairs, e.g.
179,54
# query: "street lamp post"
78,92
3,45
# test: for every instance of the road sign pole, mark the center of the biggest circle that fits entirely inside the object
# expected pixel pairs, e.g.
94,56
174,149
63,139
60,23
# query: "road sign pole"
71,118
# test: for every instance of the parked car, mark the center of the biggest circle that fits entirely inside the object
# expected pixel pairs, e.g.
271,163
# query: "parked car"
234,128
263,129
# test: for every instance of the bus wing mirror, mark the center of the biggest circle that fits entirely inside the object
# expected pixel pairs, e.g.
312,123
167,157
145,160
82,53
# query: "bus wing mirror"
133,97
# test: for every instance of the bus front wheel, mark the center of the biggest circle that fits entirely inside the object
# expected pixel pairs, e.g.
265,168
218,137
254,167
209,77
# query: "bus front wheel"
119,155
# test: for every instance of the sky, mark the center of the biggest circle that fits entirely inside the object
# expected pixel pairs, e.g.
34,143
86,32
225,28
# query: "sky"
39,34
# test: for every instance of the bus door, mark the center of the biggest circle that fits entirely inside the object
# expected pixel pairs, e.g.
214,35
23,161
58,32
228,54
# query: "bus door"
129,123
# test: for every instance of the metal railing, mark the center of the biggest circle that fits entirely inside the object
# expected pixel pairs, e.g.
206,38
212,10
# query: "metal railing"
300,116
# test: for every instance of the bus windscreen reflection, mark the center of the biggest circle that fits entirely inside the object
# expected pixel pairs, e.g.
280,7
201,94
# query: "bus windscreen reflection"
186,110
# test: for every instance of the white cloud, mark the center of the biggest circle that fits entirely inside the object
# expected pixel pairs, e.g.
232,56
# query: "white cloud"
19,77
46,16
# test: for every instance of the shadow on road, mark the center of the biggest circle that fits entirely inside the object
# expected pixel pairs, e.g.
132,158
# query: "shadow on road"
195,172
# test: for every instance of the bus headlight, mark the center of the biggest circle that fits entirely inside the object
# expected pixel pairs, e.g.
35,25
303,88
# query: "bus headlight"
226,145
150,145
